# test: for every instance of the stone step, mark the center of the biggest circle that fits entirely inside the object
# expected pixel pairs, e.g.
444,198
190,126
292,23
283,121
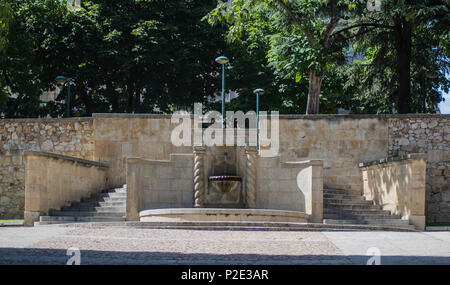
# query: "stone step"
387,223
93,204
358,214
358,207
102,196
350,207
107,206
76,209
359,218
45,220
235,225
387,220
113,204
82,204
343,196
346,201
93,208
398,222
113,199
86,214
341,191
342,222
113,209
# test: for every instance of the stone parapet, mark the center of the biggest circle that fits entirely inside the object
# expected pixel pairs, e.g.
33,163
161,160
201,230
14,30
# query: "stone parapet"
156,184
292,186
53,181
398,186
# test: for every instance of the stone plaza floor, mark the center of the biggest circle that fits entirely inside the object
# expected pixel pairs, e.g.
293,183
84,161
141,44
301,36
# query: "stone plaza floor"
109,245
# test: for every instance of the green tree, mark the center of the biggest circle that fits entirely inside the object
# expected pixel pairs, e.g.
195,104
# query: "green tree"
23,59
403,50
306,26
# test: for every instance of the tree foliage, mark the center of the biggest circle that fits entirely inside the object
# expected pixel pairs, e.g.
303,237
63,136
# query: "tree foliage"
158,56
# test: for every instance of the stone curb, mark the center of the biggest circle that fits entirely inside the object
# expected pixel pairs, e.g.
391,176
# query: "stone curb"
236,226
437,229
11,223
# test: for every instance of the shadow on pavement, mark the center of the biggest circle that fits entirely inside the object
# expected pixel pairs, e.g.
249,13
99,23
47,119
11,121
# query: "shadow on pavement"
44,256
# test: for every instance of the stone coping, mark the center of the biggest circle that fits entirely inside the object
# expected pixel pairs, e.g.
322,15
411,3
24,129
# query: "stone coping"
305,163
66,157
169,116
47,120
393,159
221,211
159,161
281,116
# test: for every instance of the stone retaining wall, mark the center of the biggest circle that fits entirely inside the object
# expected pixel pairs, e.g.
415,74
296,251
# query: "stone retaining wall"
341,141
12,171
72,137
429,135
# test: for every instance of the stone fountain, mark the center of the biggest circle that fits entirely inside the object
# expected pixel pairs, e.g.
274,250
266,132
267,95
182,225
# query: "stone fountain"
223,184
223,170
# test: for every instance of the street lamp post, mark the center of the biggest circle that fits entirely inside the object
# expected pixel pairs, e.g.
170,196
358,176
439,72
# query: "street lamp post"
258,92
222,60
68,81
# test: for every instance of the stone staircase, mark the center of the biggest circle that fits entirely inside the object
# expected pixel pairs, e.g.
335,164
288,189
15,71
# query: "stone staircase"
107,206
344,207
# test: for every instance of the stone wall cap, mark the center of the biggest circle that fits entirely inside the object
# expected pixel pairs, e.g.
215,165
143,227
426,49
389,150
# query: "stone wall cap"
65,157
160,161
145,116
304,163
146,161
282,116
411,156
46,120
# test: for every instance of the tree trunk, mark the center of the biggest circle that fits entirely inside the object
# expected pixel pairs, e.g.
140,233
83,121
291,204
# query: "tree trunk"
137,99
403,32
114,97
315,82
130,94
87,100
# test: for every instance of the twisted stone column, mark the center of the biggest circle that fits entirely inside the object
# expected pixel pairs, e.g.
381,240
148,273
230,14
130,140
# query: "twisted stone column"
251,153
199,171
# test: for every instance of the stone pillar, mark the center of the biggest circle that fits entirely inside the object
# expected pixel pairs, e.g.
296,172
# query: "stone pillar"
199,176
250,191
310,183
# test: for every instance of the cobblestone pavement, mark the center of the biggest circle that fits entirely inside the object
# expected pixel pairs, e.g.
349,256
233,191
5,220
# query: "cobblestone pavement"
48,245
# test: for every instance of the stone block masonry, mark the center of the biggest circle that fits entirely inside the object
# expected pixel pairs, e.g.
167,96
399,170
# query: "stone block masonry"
429,135
12,194
72,137
341,141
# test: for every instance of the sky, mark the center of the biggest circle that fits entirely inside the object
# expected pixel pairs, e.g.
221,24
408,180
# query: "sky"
445,106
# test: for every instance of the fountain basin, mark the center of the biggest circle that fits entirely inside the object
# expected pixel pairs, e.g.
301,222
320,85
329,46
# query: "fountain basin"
225,183
217,215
